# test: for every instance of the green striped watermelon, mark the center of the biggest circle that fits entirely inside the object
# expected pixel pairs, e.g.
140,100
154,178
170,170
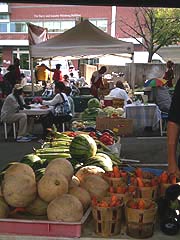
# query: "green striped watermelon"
82,147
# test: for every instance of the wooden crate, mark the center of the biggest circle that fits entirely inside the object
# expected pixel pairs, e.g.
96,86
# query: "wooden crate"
148,192
108,220
140,222
115,182
117,103
121,126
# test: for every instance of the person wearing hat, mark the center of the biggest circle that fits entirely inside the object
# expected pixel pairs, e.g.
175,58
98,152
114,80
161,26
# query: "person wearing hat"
10,113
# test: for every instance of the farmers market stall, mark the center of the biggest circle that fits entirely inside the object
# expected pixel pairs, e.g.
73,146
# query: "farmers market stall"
52,191
85,39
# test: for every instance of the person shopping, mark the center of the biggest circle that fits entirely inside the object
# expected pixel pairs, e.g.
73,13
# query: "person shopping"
10,113
97,82
169,74
59,98
173,131
57,76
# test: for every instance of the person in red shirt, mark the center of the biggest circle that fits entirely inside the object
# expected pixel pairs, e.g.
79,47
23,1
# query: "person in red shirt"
169,74
97,82
57,76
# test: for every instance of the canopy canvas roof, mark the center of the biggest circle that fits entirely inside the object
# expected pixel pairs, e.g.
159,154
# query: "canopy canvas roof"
82,40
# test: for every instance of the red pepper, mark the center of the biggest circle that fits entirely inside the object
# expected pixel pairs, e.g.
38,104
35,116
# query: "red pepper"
72,134
106,134
92,134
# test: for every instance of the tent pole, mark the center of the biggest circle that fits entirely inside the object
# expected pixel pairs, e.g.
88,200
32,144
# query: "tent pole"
32,74
50,66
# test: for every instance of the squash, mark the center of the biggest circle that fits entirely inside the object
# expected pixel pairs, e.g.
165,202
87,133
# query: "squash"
38,207
82,194
60,165
4,209
95,185
52,185
74,182
20,190
65,208
17,169
89,170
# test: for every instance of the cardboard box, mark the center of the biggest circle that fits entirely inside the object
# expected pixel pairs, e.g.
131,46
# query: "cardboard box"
121,126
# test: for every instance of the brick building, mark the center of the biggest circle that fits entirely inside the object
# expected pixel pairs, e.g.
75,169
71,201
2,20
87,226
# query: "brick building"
56,18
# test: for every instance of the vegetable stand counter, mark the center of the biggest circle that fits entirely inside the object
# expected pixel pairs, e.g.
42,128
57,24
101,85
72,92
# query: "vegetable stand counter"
143,115
37,110
87,234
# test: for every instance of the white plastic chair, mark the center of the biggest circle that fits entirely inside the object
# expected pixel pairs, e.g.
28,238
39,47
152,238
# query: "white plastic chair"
164,118
5,129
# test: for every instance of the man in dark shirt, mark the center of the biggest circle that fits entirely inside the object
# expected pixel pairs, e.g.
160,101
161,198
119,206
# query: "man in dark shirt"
174,131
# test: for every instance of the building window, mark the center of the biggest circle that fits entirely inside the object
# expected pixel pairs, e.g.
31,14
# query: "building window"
4,16
3,27
65,25
100,23
18,27
52,26
56,26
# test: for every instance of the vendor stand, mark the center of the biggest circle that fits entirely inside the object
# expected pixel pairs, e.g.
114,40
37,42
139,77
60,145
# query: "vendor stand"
85,228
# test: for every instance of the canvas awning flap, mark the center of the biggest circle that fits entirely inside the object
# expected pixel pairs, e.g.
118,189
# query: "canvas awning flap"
82,40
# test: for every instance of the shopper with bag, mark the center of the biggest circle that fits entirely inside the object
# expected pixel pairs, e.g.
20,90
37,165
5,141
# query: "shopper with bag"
97,82
61,111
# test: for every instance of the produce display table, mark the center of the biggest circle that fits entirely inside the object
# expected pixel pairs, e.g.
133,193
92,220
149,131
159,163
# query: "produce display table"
88,234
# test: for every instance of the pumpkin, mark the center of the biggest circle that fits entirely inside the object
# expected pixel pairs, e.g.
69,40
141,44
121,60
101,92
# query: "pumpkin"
17,169
65,208
52,185
89,170
95,185
38,207
82,194
4,209
60,165
74,182
20,190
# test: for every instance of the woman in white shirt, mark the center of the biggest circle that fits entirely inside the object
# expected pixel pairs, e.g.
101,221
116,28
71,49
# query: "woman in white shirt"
51,119
120,92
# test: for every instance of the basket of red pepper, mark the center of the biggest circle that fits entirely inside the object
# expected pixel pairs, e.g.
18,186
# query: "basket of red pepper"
106,137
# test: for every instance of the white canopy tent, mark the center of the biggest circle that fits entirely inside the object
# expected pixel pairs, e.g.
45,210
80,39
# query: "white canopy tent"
82,40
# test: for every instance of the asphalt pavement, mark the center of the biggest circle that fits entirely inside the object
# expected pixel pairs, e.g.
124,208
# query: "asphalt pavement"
147,147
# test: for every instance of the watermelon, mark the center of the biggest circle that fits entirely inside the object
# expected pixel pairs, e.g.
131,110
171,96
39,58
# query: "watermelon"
30,159
93,103
100,160
82,147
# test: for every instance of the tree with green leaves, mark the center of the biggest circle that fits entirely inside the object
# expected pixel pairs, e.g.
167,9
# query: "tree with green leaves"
157,27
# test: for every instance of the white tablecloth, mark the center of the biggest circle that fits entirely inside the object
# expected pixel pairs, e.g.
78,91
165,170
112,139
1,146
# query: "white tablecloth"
36,110
143,115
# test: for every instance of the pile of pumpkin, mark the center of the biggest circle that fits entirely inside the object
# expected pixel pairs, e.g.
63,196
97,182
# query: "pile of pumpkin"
57,196
43,184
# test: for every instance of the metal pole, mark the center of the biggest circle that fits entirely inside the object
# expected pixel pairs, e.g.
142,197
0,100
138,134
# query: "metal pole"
113,22
31,68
